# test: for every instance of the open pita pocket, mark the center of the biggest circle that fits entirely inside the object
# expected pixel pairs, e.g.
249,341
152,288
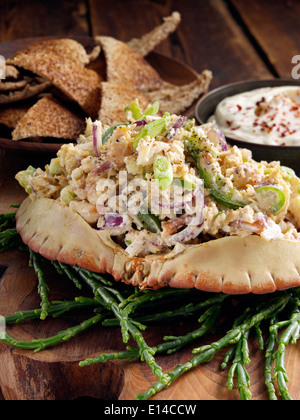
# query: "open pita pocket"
78,83
128,67
11,72
178,99
11,115
49,118
231,265
114,98
149,41
8,85
94,54
30,90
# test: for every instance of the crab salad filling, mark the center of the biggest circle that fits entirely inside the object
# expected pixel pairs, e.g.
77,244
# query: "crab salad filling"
159,183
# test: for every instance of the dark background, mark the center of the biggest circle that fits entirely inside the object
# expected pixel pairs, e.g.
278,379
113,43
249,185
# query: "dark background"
236,39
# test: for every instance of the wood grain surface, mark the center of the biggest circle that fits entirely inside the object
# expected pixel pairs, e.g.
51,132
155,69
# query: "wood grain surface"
275,27
237,40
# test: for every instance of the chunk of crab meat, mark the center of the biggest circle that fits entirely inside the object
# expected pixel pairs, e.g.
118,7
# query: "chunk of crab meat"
119,148
258,226
172,226
86,210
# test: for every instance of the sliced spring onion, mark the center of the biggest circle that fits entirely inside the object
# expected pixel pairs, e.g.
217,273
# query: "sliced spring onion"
152,109
135,109
110,130
137,113
153,129
183,183
163,172
213,180
67,195
54,167
189,124
272,197
288,172
24,178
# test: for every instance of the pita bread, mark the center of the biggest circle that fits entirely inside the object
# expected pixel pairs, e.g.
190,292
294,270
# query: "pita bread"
179,98
150,40
11,115
30,90
114,98
79,84
94,54
8,85
49,118
67,48
231,265
127,67
11,72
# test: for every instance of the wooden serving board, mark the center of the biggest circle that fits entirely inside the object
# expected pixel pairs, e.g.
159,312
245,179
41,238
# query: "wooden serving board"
54,373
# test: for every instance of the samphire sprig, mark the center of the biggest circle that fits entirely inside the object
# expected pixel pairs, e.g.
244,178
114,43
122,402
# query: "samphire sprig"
132,311
9,237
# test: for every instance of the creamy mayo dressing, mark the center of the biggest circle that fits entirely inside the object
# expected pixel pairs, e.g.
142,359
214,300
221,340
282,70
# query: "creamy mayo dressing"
268,116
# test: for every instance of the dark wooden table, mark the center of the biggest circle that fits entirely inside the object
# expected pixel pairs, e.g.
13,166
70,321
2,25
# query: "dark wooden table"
236,39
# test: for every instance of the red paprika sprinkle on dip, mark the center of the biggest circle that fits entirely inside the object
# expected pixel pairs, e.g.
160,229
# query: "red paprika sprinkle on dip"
264,116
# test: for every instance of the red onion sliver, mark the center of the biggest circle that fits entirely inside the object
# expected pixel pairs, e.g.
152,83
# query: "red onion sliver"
177,125
194,228
218,139
96,139
140,123
223,141
179,206
105,166
113,221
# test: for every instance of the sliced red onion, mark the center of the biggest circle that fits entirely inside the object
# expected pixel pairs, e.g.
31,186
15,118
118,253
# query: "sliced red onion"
113,220
96,138
218,139
177,206
104,166
177,125
140,123
262,184
195,226
157,242
193,229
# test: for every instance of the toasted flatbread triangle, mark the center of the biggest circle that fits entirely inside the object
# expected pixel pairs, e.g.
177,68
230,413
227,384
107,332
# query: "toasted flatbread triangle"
149,41
11,115
128,67
68,48
49,118
179,98
114,98
79,84
19,86
231,265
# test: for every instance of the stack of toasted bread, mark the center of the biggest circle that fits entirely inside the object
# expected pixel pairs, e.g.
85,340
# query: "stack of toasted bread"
51,87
